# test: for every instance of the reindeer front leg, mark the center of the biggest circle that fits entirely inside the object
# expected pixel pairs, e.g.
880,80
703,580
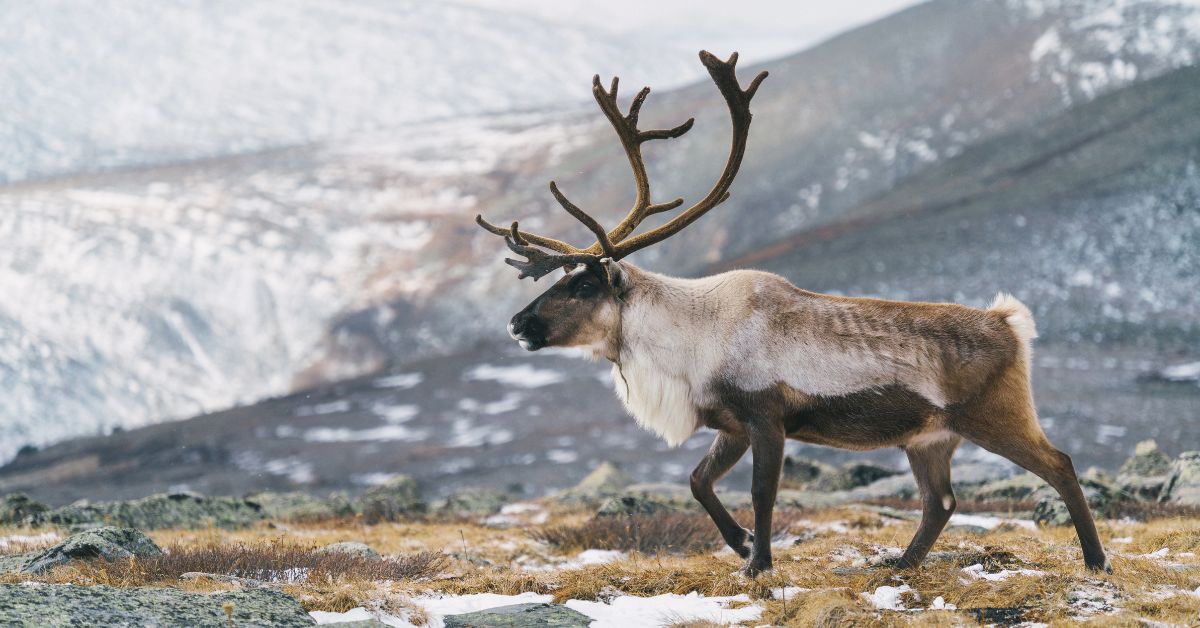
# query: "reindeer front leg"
766,445
726,450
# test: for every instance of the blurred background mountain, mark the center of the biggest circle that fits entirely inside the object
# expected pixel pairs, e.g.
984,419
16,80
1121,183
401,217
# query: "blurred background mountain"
216,204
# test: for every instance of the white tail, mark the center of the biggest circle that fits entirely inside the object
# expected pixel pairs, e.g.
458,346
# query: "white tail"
1018,316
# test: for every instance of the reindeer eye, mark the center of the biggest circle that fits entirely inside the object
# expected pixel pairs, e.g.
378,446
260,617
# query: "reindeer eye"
585,289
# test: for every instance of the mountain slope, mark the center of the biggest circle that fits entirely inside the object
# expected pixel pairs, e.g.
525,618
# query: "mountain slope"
1091,217
834,126
161,292
94,86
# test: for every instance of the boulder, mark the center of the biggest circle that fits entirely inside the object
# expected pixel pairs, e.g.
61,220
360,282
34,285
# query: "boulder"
540,615
1050,510
1015,488
605,481
630,505
802,472
17,509
105,542
164,510
100,605
394,500
648,498
852,476
350,548
1147,461
1183,483
296,506
474,502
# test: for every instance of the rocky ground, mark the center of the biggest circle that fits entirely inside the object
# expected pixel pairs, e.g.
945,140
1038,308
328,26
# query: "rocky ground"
610,552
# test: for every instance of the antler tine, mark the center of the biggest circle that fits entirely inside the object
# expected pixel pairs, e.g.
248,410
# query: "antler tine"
632,139
530,238
738,101
539,263
606,245
616,243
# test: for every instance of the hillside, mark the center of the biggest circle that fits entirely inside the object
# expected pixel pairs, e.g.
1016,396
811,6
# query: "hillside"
163,292
1111,184
94,87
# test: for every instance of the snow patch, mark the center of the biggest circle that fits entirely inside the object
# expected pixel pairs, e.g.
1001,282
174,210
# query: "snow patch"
522,375
888,597
977,572
402,381
629,610
988,522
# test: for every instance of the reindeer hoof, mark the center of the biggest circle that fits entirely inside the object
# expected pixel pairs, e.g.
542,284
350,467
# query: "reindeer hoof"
1104,566
753,568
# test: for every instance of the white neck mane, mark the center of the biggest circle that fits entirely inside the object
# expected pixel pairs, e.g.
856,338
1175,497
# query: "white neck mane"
664,367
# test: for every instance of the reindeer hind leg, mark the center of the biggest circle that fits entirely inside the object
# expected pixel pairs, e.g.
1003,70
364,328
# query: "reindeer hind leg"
1004,422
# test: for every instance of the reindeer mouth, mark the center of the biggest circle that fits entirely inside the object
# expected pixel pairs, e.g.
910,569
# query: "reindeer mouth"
527,342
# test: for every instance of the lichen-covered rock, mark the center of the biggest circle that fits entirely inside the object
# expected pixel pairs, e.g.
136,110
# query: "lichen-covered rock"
630,505
51,606
851,476
540,615
394,500
350,548
164,510
300,507
1050,510
606,480
17,508
803,472
1183,483
1147,461
12,562
106,542
1015,488
474,501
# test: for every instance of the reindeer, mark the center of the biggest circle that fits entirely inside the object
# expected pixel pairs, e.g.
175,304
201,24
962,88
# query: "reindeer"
759,360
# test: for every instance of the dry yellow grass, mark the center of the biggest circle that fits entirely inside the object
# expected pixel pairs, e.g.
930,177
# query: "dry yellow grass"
833,568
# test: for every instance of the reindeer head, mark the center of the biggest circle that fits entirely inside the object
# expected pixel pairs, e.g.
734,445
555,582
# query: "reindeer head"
583,308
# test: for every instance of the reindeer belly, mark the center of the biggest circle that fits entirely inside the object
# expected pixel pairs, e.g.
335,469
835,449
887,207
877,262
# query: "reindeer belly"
867,419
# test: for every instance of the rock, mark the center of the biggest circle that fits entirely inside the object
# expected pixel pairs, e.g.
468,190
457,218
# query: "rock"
350,548
12,562
801,472
902,486
17,508
393,500
1050,510
171,510
648,498
1016,488
474,501
1147,461
853,475
629,505
101,605
106,542
300,507
1183,482
606,480
520,615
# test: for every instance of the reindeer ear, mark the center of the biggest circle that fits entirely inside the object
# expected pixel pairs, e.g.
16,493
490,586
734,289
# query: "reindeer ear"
614,272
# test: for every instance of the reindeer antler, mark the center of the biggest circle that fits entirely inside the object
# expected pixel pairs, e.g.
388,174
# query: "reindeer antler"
617,243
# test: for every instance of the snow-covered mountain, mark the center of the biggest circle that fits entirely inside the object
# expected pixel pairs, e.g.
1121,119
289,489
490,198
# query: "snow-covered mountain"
161,292
90,86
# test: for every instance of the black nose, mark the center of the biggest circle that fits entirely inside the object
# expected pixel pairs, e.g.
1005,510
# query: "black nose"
527,325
